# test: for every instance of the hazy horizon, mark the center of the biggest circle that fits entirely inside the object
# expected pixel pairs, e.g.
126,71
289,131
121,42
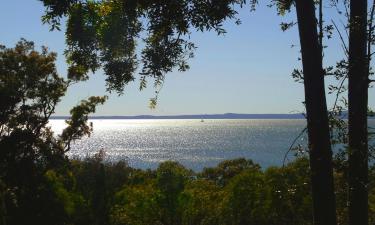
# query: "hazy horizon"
182,114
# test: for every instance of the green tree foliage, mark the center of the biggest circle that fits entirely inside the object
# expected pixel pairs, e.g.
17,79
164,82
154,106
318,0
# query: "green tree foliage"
106,34
136,205
29,90
170,180
245,200
201,201
34,180
97,182
228,169
276,196
289,186
77,124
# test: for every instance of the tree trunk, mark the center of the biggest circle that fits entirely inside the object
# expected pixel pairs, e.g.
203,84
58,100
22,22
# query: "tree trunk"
358,102
324,206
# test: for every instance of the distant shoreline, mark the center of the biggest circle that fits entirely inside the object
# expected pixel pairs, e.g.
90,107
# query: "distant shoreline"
200,116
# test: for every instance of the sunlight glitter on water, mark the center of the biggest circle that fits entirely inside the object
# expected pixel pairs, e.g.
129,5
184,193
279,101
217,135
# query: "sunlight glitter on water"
146,143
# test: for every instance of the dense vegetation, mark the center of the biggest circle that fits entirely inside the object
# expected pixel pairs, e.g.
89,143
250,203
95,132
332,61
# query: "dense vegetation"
234,192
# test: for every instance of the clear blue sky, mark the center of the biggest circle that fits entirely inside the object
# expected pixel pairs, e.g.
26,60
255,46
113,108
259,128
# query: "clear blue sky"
246,71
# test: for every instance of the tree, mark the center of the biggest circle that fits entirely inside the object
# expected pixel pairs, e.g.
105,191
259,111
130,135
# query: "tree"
170,180
29,90
354,134
320,152
358,105
226,170
30,154
245,202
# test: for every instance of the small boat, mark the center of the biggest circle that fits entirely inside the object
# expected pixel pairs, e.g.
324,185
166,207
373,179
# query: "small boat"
202,120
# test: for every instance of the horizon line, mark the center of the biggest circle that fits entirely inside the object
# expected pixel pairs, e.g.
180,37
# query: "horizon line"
200,116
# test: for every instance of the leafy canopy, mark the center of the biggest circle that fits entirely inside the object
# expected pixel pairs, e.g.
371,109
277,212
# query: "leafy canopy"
105,34
30,155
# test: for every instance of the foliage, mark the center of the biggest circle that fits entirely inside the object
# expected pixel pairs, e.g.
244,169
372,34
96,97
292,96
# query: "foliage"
228,169
77,124
245,200
136,205
29,90
105,34
35,181
289,186
201,201
174,195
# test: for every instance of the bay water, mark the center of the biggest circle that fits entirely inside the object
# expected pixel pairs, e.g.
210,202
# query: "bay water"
194,143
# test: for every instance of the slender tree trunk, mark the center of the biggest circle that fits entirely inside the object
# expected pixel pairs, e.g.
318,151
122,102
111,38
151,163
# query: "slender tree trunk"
358,102
324,206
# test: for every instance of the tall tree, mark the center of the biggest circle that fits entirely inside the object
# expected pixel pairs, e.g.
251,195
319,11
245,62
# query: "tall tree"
358,103
30,89
324,206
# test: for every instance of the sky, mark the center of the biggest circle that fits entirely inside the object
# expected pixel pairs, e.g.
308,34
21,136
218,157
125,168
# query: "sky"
245,71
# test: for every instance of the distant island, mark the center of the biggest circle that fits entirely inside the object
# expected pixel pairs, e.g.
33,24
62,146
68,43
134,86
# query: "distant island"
202,116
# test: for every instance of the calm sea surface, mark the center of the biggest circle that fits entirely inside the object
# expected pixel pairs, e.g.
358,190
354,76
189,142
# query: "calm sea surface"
195,144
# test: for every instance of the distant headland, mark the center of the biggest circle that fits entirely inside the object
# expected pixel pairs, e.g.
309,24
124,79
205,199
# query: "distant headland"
201,116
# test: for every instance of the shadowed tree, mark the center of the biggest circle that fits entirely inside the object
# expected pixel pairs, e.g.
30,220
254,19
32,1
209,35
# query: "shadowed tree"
171,179
358,105
324,206
30,89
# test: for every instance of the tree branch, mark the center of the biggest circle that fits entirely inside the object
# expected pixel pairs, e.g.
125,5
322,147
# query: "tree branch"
293,143
342,39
